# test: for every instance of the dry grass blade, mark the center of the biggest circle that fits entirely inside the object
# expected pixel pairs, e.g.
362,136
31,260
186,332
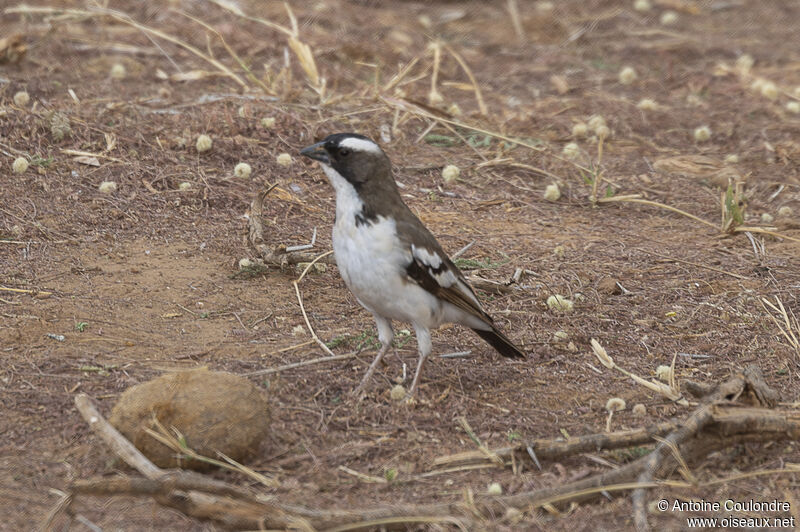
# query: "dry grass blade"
434,97
176,441
516,21
25,291
790,328
416,110
747,229
361,476
636,198
485,450
602,355
658,387
468,72
307,62
683,467
514,164
397,78
300,364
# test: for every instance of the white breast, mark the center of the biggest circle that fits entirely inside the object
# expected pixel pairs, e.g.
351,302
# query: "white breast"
372,262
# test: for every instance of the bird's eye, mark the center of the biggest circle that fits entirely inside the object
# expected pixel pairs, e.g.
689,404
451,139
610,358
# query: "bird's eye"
344,153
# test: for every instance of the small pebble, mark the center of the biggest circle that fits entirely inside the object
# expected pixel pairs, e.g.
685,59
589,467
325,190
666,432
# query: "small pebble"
20,165
580,130
668,18
627,75
21,99
450,173
552,192
203,143
284,159
118,71
398,392
702,133
242,170
107,187
571,150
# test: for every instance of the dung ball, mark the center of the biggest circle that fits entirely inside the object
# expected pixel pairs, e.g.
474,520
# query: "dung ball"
214,411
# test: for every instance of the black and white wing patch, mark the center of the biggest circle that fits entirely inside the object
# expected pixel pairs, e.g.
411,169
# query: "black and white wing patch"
442,278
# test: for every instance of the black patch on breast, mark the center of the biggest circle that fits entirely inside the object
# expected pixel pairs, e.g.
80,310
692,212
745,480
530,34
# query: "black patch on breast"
365,217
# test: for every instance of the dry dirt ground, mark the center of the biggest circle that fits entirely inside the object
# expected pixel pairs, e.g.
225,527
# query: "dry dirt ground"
145,279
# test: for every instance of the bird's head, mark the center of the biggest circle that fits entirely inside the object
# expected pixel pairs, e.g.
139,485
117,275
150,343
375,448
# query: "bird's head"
355,157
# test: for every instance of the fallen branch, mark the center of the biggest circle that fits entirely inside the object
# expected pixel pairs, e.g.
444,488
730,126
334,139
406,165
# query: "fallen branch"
750,382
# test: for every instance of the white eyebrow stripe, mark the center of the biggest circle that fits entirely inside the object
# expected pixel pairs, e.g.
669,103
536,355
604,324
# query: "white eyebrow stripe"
357,144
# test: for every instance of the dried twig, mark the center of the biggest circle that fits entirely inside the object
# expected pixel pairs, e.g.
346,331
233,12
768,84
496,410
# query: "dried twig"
303,308
300,364
25,291
670,392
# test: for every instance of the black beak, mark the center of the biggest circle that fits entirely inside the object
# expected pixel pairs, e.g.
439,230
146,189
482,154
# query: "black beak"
317,152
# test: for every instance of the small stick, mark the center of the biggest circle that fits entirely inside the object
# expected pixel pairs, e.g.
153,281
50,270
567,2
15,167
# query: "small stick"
299,364
301,247
116,441
397,78
302,307
513,10
79,153
635,198
25,291
437,57
485,450
718,270
512,163
463,250
457,354
411,108
362,476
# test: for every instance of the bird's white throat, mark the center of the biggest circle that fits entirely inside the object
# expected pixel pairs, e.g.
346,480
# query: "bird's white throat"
348,202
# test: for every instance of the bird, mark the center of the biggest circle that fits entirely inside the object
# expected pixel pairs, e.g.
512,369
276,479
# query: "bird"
389,260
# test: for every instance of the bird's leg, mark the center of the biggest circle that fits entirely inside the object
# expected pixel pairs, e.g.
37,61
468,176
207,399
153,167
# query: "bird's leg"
385,335
425,346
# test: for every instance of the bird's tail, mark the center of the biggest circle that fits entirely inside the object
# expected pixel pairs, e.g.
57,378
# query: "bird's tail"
500,342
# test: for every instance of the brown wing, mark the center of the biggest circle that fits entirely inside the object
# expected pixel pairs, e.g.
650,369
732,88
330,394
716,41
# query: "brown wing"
435,272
